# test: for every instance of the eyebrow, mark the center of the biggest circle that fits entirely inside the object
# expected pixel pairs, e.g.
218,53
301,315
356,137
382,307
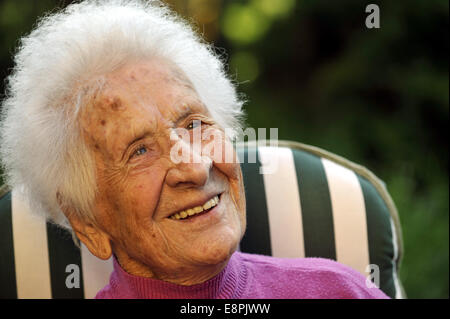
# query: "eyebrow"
183,115
191,108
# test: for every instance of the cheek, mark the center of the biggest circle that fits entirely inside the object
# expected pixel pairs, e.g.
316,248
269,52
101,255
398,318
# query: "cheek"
222,153
143,192
131,202
225,159
229,165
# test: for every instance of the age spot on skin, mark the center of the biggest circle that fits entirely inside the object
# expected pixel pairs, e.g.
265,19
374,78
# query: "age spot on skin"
115,104
103,122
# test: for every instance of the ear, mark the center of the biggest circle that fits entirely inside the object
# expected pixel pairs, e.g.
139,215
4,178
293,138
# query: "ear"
95,239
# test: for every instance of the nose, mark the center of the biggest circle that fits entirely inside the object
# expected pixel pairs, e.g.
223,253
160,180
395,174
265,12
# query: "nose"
192,173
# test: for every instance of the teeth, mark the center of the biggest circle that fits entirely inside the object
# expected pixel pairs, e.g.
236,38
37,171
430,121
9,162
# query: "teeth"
207,205
195,210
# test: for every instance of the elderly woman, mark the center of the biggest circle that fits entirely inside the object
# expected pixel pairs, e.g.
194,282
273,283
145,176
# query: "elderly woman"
99,97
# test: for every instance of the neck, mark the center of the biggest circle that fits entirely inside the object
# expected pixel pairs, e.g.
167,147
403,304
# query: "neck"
230,283
185,276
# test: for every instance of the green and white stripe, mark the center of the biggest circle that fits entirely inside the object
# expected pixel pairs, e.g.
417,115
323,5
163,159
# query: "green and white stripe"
338,210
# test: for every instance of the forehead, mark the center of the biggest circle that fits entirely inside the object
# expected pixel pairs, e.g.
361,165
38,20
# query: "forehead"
155,83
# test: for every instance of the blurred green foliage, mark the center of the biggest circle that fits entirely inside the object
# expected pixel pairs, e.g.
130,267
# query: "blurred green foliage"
312,69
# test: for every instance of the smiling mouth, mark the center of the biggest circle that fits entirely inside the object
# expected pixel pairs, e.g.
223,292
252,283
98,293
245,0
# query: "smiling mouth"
197,210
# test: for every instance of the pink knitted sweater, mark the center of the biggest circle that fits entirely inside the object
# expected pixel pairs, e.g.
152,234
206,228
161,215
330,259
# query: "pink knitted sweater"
250,276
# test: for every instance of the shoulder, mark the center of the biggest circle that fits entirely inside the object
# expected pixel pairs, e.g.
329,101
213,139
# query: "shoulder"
115,290
298,265
111,291
104,293
307,277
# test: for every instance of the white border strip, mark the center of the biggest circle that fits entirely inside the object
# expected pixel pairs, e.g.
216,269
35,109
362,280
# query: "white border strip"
283,202
349,216
30,252
96,272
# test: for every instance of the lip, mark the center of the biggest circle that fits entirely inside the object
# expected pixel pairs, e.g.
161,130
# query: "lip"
198,202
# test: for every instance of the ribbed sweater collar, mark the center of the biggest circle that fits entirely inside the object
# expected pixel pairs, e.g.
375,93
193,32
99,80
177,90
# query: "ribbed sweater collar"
229,283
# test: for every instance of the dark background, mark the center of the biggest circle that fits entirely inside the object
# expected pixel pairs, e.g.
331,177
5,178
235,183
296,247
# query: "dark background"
312,69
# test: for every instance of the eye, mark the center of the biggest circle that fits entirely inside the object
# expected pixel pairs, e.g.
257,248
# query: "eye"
141,150
194,124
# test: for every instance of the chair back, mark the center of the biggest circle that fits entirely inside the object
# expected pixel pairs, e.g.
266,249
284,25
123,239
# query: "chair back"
301,202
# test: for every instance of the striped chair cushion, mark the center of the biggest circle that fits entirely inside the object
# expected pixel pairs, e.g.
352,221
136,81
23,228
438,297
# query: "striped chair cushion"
314,204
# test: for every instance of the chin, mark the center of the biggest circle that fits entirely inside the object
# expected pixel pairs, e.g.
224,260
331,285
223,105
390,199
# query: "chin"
218,250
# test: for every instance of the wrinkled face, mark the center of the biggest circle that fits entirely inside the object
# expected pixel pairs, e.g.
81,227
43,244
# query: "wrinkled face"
140,189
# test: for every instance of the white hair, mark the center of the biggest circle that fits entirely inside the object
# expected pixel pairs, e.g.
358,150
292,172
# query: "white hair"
42,151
